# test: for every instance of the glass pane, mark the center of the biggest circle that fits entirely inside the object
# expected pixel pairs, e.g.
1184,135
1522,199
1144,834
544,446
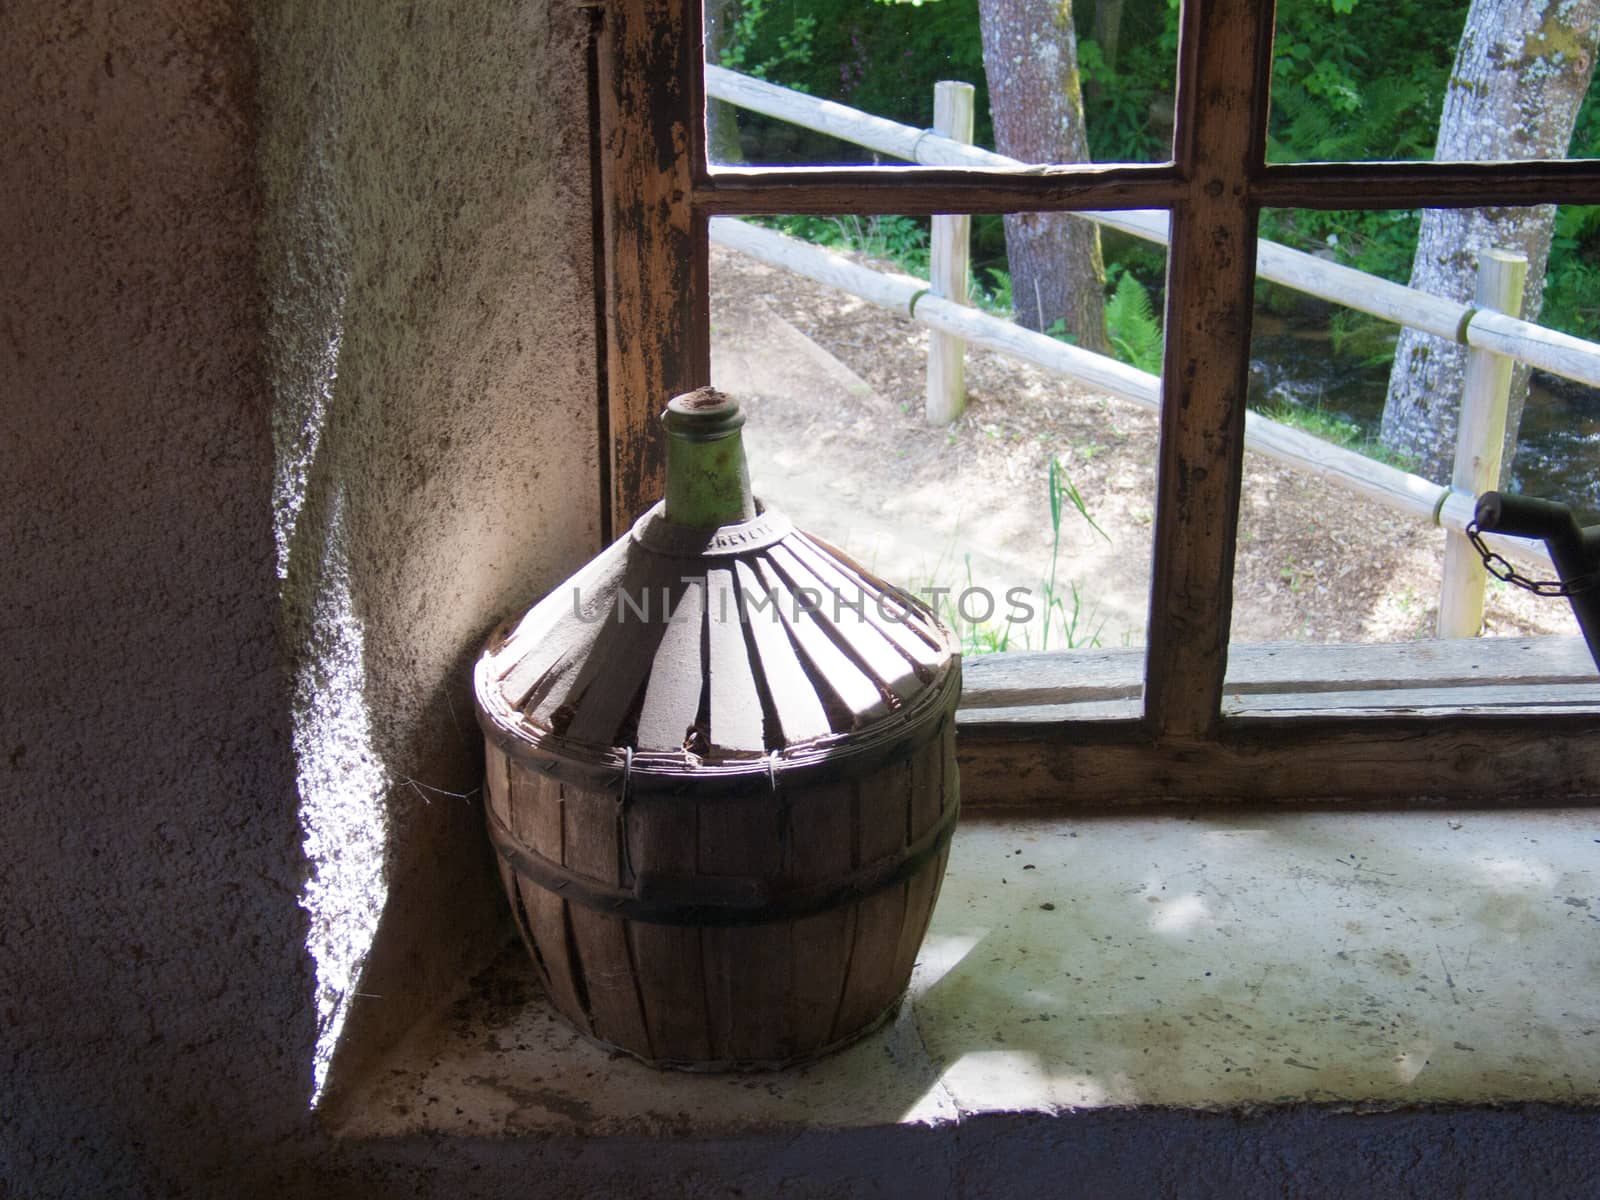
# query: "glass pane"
882,58
1366,81
1028,517
1347,551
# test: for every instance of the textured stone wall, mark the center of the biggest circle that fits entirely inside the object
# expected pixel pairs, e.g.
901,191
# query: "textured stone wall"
153,983
296,387
427,257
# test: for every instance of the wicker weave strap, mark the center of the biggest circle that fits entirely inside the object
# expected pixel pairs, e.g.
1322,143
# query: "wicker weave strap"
716,900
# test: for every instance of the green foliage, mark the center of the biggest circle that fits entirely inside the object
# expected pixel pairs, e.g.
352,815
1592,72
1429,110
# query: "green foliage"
1380,243
1063,489
902,241
1352,79
996,297
976,637
881,56
1339,429
1065,617
1132,326
1360,79
1340,90
1067,610
1145,261
767,48
1058,330
1128,104
1572,280
1363,338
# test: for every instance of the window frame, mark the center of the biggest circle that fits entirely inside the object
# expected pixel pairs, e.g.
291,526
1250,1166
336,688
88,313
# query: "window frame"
656,194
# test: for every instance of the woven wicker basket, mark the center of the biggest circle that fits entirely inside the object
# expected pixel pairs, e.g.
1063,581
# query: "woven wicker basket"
722,783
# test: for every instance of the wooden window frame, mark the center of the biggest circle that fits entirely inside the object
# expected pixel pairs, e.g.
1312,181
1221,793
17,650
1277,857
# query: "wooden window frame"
656,194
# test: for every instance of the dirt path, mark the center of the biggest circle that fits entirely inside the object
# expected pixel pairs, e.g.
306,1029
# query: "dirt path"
834,386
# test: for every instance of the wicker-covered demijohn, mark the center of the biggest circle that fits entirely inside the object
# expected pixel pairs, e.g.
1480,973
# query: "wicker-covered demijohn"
721,775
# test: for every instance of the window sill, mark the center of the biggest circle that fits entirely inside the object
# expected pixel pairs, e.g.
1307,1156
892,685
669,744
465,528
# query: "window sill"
1276,679
1482,722
1190,962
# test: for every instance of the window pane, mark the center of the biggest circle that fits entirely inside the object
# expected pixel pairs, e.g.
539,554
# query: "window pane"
1321,560
883,58
1037,501
1365,81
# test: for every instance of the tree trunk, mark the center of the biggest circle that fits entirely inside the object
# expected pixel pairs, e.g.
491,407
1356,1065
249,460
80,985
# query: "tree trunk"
1030,58
722,119
1520,76
1108,29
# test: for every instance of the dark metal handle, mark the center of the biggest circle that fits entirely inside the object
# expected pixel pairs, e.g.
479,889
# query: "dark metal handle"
1527,517
1574,551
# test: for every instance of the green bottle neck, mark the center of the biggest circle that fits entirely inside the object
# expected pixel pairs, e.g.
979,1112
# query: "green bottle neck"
708,481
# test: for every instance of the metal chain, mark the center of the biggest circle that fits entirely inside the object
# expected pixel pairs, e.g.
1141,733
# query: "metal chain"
1502,570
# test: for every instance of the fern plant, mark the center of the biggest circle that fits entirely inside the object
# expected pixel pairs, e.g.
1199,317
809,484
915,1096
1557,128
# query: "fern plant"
1132,327
995,298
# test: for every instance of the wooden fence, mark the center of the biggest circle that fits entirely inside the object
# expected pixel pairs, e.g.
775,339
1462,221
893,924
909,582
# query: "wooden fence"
1495,338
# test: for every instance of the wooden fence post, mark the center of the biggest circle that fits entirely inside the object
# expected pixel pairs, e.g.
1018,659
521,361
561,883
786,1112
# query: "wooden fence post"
1480,435
949,253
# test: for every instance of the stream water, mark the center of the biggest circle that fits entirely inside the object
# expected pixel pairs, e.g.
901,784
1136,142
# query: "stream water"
1559,443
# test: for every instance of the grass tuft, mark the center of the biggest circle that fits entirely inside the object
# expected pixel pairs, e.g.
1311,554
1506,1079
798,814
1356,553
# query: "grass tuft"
1338,429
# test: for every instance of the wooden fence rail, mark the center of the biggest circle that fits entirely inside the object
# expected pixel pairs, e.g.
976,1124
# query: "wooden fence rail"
1558,353
1494,336
910,297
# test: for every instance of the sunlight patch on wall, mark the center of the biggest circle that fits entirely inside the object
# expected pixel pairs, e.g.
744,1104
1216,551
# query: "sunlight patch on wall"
297,431
342,786
306,261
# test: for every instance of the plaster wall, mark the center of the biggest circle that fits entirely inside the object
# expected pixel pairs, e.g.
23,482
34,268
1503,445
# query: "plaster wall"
427,258
296,346
152,977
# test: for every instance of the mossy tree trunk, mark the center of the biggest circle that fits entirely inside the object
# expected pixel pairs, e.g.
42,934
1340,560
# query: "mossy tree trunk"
1520,75
1030,58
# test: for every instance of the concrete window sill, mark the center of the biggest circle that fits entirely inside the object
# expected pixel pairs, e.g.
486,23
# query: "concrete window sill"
1189,962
